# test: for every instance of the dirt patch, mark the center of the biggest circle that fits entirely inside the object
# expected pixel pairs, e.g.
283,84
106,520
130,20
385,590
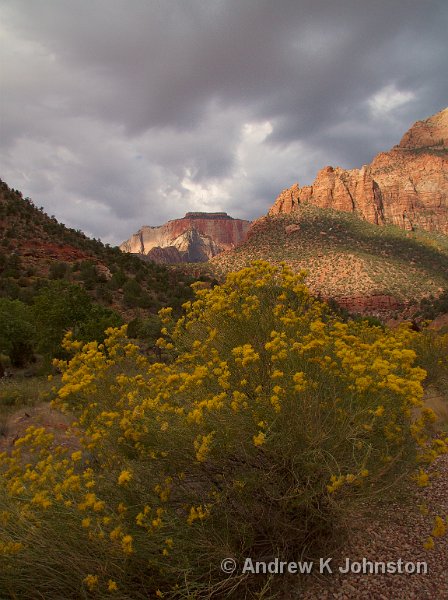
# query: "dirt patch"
41,415
398,533
439,403
439,322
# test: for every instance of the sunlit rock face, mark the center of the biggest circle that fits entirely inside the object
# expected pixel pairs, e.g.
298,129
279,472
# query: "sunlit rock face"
407,186
196,238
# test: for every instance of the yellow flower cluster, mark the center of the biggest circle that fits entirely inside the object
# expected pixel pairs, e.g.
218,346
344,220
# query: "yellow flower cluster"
244,355
439,530
124,477
198,513
202,446
268,395
260,438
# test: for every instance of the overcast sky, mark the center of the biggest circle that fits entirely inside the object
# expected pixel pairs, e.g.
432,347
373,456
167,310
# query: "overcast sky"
120,113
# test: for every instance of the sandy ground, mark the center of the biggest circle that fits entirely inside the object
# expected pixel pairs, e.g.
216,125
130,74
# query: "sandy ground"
399,533
41,415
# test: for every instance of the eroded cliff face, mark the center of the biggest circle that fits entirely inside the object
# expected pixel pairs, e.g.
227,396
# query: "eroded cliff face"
196,238
407,186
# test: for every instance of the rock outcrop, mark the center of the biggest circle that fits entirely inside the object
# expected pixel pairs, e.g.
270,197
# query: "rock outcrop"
196,238
407,186
165,256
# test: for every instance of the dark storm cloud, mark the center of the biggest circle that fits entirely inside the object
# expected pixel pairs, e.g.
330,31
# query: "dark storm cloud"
117,113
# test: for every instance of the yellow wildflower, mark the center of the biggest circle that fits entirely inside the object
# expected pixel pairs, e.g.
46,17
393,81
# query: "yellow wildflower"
429,544
299,381
91,581
276,374
124,477
197,512
126,544
202,446
115,533
335,483
379,411
422,478
259,439
439,527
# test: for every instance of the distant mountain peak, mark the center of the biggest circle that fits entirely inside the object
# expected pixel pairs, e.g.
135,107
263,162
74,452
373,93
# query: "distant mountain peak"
197,237
429,133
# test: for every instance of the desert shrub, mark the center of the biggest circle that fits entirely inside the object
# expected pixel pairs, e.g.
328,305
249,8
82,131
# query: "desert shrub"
61,306
431,307
10,288
58,270
145,301
270,426
58,306
103,293
16,331
148,329
89,274
12,267
431,348
117,280
98,319
132,293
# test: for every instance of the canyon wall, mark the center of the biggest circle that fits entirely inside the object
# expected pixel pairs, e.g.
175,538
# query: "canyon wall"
197,237
407,186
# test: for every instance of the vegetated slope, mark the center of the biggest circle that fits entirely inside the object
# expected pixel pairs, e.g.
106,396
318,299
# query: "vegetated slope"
35,247
365,267
407,186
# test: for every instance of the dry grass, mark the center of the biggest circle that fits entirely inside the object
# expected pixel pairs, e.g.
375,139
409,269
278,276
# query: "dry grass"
439,403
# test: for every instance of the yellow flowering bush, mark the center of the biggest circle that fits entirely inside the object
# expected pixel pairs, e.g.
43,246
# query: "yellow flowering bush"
269,425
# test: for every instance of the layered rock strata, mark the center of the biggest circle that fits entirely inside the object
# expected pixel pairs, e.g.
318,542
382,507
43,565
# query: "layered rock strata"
195,238
407,186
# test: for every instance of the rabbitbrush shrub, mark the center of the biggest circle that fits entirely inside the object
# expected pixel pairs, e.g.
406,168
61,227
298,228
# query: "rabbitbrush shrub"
270,425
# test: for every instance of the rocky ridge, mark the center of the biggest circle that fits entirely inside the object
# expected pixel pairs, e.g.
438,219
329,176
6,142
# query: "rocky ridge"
197,237
406,187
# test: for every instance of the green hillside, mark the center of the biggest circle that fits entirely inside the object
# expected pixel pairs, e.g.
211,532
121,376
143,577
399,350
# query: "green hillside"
53,278
35,248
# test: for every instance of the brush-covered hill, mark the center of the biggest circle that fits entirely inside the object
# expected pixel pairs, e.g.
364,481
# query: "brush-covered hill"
366,268
35,248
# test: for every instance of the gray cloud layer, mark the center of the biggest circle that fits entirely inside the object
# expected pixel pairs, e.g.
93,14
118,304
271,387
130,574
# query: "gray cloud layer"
120,113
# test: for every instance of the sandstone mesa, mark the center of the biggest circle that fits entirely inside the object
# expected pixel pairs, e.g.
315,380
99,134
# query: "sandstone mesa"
197,237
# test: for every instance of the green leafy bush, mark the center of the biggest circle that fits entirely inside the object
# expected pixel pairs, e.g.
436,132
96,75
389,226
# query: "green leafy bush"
16,331
61,306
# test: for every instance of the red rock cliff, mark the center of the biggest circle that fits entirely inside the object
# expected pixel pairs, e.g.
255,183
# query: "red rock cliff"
198,236
407,186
